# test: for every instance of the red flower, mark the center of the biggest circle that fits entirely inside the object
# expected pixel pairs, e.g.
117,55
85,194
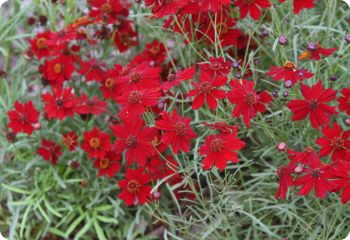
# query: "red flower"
164,7
50,151
199,6
58,70
315,50
224,30
125,37
251,6
248,101
109,86
107,10
335,142
96,143
219,149
301,4
136,100
23,117
108,165
40,46
60,104
208,90
313,105
135,190
288,72
160,168
154,53
285,180
318,177
93,70
216,67
177,78
135,138
177,131
70,140
344,101
91,106
342,172
308,157
223,127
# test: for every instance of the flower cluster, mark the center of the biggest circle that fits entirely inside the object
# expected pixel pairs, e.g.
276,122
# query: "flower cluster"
137,123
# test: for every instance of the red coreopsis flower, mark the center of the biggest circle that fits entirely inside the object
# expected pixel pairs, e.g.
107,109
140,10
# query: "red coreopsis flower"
288,72
285,180
342,173
136,100
177,131
165,7
199,6
58,70
70,140
49,151
315,50
344,101
301,4
107,10
135,190
92,106
216,67
96,143
224,31
248,101
251,7
313,105
40,46
93,70
160,168
23,117
108,165
219,149
135,139
223,127
60,104
154,53
207,90
335,142
176,78
125,37
109,86
306,157
317,177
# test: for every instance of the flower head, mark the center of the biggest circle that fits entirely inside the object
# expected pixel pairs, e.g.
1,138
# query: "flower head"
23,117
50,151
96,143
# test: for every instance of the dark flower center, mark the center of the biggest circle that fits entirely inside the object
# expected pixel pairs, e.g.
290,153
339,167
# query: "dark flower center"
216,145
131,141
59,102
95,142
180,129
135,77
135,97
154,50
251,98
68,141
57,68
171,77
313,104
22,117
338,142
289,66
110,83
41,43
106,8
205,88
104,163
249,1
133,186
316,173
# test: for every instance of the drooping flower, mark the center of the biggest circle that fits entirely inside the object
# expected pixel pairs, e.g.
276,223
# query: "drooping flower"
176,78
315,50
108,165
58,70
301,4
49,151
314,105
135,188
288,72
251,7
23,117
96,143
60,104
93,70
285,179
135,139
335,142
207,90
70,140
342,172
223,127
317,177
307,157
219,150
344,101
176,131
248,101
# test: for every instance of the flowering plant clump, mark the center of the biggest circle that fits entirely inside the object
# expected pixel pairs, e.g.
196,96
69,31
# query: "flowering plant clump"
174,107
